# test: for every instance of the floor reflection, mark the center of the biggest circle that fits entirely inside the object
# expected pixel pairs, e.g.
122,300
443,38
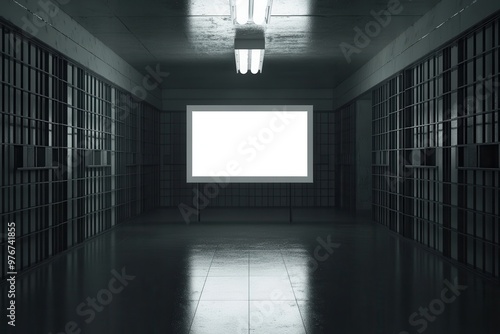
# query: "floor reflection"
248,289
351,278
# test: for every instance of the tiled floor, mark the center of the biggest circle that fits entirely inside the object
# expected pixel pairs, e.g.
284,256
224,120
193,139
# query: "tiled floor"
346,276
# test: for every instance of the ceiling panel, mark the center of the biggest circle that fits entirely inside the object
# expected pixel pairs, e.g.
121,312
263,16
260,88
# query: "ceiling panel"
194,39
103,24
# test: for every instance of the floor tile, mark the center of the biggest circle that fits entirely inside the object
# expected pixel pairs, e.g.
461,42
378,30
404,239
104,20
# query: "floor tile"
225,288
217,317
271,288
277,317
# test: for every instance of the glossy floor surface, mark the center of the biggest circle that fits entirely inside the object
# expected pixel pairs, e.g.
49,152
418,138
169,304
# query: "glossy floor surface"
346,276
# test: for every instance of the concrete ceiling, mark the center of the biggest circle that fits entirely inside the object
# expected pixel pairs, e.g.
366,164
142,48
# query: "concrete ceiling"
193,40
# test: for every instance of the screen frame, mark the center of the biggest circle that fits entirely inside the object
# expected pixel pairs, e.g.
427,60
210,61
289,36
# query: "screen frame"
249,179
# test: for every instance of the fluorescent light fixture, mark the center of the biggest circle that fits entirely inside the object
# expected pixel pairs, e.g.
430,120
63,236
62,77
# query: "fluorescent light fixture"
249,55
249,60
251,11
251,144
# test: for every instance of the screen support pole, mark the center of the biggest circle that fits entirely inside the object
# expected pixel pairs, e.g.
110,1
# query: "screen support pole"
290,202
198,191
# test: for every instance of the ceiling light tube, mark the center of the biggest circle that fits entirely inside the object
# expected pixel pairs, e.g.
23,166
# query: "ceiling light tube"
243,56
242,11
255,61
260,11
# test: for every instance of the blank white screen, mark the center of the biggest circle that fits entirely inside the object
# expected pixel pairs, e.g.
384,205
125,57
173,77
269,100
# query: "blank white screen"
249,143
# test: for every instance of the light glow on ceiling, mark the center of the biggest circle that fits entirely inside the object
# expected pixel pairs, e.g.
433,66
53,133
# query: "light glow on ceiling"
251,11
